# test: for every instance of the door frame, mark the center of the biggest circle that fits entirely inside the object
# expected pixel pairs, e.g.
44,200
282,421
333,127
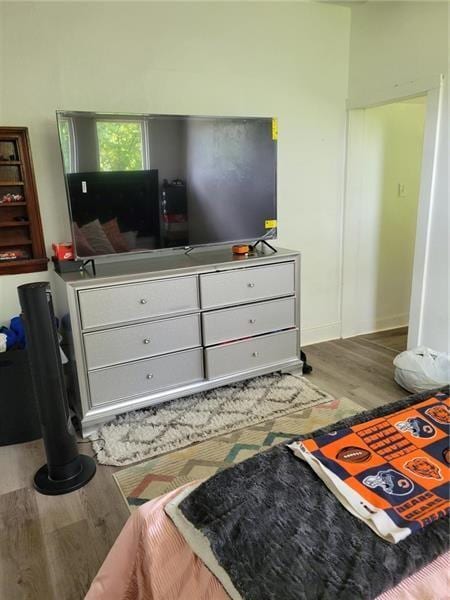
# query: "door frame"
433,90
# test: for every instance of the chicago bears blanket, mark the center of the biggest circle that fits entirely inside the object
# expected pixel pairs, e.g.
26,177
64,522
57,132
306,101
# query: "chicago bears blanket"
391,472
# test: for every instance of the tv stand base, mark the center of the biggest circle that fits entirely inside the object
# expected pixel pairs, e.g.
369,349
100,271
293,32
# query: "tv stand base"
264,243
85,263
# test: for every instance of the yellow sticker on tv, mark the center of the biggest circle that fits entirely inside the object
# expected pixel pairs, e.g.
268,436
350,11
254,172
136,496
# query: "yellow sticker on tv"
274,128
270,223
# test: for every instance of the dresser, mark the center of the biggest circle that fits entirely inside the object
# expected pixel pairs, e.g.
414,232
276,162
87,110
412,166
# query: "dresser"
145,331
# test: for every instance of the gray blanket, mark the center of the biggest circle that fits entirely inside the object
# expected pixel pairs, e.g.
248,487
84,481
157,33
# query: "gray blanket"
280,534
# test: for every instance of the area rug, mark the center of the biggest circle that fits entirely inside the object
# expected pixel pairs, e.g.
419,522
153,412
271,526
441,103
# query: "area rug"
155,477
145,433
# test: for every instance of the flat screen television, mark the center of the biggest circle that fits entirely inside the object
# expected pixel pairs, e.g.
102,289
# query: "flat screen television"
141,182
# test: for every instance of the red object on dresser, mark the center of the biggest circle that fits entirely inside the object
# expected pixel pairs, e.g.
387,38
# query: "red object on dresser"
63,251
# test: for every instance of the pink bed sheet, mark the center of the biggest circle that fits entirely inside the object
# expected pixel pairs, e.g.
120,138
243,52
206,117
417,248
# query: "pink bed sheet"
151,561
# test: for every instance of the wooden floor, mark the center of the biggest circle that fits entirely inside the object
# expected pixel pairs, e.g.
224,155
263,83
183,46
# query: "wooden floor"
52,547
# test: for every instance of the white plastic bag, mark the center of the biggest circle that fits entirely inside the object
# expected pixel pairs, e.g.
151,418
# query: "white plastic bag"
422,369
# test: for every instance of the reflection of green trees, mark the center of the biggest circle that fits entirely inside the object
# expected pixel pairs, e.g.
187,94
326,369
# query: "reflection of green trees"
65,143
119,145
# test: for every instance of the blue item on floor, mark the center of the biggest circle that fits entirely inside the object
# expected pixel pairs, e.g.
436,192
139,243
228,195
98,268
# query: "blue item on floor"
17,327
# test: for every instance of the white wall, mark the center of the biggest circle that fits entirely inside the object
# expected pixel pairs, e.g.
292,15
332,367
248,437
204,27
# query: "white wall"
288,60
396,49
394,45
380,225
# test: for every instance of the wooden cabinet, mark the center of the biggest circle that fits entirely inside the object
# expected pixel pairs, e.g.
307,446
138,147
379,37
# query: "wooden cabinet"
22,247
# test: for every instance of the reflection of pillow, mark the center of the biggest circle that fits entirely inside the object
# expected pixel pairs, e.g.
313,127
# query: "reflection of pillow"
118,242
82,246
130,238
97,238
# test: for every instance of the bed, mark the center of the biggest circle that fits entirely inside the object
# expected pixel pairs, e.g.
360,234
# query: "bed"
152,560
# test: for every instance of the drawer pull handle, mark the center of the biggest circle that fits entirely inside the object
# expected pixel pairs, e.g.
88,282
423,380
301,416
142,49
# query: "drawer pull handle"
142,301
150,376
252,321
252,285
255,354
146,340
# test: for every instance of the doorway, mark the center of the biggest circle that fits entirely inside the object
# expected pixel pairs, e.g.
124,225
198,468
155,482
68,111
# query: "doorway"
384,165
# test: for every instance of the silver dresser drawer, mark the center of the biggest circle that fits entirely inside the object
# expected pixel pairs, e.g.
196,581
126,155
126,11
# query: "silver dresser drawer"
247,285
137,301
247,355
145,377
132,342
251,319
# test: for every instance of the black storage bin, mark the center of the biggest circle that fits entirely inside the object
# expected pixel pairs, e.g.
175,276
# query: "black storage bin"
19,419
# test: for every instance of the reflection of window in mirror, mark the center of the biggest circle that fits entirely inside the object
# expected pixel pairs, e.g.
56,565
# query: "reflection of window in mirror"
68,148
120,145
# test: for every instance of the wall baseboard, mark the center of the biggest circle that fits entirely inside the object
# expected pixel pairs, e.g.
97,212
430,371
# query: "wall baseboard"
322,333
393,322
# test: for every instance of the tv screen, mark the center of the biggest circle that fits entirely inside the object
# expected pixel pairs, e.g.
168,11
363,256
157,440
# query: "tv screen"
139,182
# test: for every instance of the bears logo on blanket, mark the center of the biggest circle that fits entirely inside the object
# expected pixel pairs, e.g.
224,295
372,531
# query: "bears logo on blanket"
424,468
446,455
417,427
440,414
392,482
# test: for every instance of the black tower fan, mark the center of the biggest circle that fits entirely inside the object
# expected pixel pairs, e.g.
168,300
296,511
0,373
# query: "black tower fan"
66,470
